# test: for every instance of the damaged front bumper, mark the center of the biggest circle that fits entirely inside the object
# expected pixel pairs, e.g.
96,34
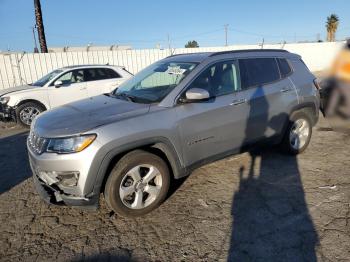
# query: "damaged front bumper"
52,194
7,113
52,191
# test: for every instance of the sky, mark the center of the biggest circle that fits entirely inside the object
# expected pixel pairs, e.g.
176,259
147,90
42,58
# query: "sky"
146,24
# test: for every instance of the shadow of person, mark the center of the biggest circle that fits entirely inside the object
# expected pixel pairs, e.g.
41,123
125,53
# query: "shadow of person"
271,221
105,257
14,166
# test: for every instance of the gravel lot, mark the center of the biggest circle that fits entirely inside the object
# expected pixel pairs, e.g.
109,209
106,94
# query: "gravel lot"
261,206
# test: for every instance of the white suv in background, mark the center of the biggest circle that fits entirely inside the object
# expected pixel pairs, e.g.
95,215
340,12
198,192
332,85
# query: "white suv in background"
61,86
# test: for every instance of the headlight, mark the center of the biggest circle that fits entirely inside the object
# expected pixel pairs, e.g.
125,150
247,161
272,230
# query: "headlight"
4,100
69,144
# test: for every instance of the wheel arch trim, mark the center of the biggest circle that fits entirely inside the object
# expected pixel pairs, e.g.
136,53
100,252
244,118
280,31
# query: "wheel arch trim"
161,143
31,101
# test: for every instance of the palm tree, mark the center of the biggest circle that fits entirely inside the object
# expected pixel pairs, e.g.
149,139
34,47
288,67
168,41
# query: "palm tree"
40,26
332,26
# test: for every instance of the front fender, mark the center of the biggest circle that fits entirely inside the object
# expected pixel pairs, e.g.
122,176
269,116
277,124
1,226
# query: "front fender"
38,96
103,159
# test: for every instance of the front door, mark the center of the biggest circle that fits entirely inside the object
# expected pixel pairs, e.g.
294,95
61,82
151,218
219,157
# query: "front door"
214,127
73,88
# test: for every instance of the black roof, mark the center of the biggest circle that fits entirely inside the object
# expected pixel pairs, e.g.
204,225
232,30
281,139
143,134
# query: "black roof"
199,57
190,57
249,51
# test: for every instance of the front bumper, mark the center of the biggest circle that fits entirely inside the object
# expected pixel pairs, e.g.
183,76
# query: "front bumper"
7,113
51,190
53,195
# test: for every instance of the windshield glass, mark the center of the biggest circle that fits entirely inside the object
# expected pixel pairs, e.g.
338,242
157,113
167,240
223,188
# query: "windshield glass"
155,82
42,81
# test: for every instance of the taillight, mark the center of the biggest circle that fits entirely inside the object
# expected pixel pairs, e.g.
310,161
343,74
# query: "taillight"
317,85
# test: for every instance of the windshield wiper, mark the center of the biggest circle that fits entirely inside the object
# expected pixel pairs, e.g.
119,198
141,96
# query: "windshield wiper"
126,96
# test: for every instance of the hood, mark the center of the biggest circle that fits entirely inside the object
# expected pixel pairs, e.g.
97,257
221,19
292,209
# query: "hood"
15,89
84,115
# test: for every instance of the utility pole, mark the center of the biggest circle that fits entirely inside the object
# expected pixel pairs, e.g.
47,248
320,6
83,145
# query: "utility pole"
226,28
169,45
168,37
36,50
40,26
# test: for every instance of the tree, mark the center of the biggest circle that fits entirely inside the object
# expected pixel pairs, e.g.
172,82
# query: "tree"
192,44
332,26
40,26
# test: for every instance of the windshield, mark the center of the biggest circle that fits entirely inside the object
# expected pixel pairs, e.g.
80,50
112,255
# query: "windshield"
155,82
42,81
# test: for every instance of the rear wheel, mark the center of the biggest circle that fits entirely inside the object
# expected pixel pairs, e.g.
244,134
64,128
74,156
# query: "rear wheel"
26,113
137,184
298,134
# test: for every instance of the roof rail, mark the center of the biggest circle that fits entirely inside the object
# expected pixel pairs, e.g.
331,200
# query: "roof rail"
248,51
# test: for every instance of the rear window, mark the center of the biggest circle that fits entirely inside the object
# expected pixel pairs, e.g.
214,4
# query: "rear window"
284,67
258,71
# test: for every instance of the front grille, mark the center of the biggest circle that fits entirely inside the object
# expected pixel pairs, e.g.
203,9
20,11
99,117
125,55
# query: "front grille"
36,143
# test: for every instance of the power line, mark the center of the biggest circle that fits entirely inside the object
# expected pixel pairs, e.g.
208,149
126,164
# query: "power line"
270,36
196,35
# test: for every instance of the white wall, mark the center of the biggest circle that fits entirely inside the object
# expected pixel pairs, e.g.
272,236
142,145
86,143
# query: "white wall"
17,68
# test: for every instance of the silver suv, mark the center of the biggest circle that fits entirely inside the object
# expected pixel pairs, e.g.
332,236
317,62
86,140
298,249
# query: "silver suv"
174,116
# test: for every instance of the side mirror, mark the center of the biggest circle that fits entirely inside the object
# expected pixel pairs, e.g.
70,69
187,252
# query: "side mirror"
196,95
58,83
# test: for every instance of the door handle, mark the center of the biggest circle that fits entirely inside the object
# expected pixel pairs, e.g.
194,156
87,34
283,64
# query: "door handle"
83,88
286,89
238,102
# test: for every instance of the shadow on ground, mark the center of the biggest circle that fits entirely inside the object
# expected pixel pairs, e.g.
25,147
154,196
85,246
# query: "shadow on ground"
104,257
271,220
14,165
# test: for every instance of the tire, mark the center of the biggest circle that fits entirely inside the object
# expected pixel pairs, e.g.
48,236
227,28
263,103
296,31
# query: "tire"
124,178
23,113
294,144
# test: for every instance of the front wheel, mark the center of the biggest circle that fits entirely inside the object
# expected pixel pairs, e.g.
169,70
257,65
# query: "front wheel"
137,184
298,134
27,112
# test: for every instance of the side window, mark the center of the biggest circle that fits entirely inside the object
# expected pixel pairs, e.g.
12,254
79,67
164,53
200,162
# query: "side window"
91,74
258,71
284,67
94,74
111,73
102,74
219,79
75,76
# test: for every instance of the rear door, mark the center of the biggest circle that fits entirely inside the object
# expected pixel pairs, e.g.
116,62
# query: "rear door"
101,80
270,97
73,88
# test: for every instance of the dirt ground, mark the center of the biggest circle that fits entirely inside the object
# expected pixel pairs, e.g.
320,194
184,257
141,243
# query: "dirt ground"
259,206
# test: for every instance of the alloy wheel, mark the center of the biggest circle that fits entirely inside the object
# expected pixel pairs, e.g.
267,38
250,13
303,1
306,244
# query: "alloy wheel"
28,114
140,186
299,134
